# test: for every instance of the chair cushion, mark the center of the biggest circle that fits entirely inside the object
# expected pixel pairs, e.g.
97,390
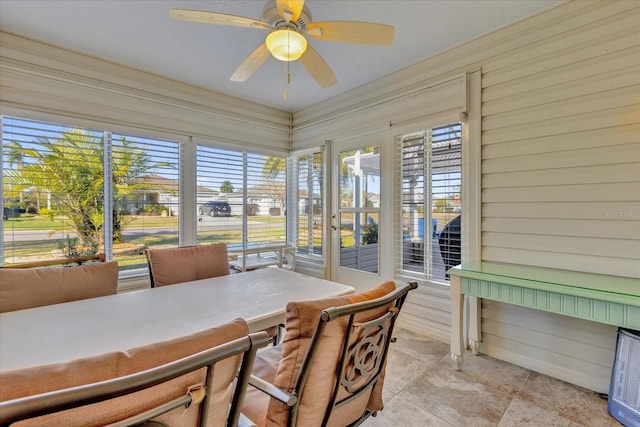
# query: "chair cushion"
37,380
301,321
22,288
265,366
184,264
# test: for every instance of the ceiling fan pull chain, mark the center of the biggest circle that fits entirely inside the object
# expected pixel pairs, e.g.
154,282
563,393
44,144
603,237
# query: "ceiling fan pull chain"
287,79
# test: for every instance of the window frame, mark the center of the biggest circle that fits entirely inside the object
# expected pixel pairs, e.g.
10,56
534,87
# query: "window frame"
187,153
470,181
293,199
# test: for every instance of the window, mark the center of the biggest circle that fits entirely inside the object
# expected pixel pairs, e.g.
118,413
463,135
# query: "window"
430,207
56,204
307,178
359,210
146,197
252,186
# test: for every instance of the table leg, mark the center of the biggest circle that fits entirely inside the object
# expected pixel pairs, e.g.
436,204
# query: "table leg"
457,335
475,316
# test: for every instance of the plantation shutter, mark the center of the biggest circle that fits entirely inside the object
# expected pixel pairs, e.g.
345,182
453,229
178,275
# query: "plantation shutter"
50,170
146,196
307,199
253,185
54,193
266,192
219,177
430,207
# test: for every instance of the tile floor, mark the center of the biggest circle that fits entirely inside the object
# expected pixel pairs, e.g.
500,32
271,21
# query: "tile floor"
421,389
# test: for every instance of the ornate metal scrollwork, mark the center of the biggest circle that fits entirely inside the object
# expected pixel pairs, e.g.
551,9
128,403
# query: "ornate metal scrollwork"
364,356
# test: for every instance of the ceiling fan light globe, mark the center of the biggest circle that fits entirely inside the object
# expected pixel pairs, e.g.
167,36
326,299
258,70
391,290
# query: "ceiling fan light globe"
286,45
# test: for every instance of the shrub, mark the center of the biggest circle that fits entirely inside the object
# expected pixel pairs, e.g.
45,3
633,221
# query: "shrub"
252,209
370,234
46,212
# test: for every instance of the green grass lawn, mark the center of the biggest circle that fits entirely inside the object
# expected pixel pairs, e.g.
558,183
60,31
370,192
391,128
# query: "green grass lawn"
59,223
19,251
37,222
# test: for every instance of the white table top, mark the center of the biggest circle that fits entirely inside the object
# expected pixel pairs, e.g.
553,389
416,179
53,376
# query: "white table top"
64,332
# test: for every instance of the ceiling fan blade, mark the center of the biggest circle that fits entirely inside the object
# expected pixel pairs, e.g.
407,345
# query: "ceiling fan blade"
217,18
251,64
318,68
290,9
352,32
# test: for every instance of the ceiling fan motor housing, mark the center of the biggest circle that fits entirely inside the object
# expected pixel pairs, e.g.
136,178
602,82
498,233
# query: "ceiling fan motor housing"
271,17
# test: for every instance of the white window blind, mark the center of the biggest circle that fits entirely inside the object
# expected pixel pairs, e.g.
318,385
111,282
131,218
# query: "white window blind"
146,197
54,200
254,187
220,177
52,191
430,205
266,191
308,203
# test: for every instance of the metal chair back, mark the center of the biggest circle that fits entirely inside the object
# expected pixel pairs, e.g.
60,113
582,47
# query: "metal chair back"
363,354
55,401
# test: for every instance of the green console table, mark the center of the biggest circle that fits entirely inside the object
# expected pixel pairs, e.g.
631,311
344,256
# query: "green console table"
607,299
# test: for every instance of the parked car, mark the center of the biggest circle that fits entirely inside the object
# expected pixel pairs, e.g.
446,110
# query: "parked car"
215,209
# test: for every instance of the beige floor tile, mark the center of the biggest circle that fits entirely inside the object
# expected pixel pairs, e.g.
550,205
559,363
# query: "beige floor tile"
422,389
409,357
401,413
402,369
478,395
548,396
419,346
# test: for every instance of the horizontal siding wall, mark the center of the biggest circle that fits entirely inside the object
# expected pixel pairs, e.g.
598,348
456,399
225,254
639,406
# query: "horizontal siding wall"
575,350
39,78
560,180
428,310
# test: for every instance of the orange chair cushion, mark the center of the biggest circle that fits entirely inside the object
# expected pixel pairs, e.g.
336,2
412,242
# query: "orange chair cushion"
24,382
301,321
184,264
22,288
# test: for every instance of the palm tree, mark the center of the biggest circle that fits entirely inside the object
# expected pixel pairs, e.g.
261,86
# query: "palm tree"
70,168
226,187
274,166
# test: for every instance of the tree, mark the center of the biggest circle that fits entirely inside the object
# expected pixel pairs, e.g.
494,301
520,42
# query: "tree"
274,166
226,187
70,168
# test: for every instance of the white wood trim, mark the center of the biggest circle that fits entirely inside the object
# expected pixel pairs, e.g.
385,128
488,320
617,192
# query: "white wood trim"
35,76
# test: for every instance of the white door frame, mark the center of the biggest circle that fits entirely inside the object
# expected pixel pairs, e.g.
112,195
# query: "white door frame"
360,279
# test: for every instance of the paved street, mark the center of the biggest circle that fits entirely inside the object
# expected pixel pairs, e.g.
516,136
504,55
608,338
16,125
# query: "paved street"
206,223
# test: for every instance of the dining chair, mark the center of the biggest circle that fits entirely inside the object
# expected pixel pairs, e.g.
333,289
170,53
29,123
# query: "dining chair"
197,380
329,369
22,288
169,266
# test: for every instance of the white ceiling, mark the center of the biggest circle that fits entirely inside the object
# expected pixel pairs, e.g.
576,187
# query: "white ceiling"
140,34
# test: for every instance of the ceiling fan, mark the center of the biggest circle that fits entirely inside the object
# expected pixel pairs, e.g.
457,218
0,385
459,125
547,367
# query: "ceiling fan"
287,22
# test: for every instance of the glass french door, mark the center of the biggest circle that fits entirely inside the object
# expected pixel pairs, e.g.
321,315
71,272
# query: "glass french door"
355,219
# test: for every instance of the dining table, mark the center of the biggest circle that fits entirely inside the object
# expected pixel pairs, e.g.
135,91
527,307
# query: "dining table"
65,332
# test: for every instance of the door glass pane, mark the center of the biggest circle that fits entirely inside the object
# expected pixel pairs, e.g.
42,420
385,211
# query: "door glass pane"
359,243
359,194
